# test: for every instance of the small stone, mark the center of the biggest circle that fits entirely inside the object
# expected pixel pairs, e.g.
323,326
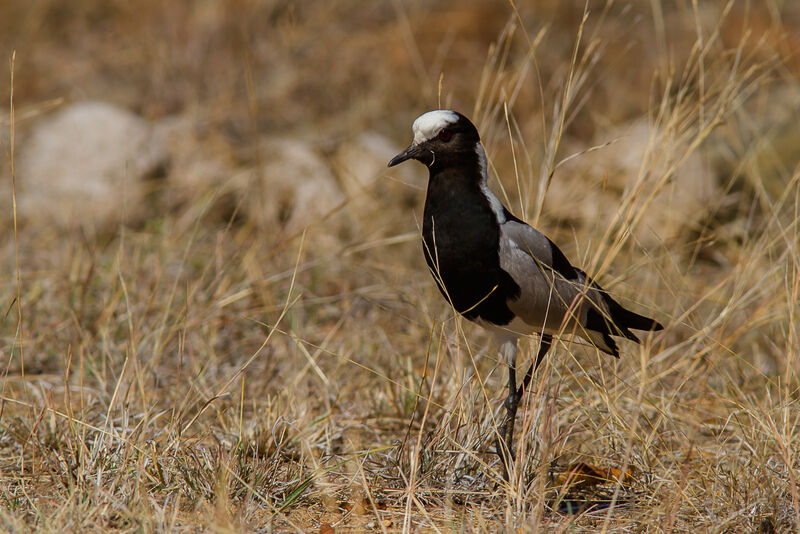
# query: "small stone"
590,186
84,165
362,160
293,189
360,164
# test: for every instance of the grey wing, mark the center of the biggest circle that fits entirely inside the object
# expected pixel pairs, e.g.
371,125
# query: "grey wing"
551,289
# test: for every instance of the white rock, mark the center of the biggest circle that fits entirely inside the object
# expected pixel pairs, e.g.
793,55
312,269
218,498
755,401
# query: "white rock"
590,187
363,160
375,193
84,165
198,163
293,188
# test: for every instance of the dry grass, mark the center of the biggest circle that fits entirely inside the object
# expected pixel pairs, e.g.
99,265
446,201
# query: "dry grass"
196,371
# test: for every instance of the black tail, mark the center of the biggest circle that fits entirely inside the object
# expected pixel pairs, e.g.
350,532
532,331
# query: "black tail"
619,320
627,319
624,320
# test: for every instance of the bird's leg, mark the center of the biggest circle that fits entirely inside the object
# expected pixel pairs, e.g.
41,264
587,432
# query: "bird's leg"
505,441
512,403
544,346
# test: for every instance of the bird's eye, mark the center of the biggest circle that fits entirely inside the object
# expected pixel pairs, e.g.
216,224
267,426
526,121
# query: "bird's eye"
445,135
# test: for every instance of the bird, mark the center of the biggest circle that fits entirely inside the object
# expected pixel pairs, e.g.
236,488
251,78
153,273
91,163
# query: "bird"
498,271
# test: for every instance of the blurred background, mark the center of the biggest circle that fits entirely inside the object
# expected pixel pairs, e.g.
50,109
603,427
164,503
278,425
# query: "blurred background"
221,85
213,90
213,256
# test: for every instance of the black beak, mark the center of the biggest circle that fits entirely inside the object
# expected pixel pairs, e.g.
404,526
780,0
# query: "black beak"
410,153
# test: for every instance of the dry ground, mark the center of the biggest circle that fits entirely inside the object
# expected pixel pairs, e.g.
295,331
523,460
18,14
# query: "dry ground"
195,370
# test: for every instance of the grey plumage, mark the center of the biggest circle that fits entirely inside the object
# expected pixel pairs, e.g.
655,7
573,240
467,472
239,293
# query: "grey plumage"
554,297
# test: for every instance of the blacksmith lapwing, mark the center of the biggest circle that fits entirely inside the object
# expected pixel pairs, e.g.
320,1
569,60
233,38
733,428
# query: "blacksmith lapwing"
498,271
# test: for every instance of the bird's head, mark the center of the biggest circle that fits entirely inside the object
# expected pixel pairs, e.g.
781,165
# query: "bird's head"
442,137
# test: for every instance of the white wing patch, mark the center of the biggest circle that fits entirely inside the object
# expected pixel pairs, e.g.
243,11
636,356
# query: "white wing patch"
428,125
494,202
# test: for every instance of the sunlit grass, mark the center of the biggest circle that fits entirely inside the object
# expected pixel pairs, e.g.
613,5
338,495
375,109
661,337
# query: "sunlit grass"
199,370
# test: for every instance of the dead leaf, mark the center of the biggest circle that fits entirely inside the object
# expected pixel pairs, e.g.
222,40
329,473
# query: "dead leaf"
582,475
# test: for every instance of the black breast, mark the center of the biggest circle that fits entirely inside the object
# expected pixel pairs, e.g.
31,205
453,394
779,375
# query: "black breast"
461,240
